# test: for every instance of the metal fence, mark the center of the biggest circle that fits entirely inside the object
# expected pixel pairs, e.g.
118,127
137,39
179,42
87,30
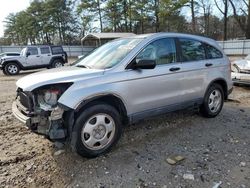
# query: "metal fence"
72,51
235,47
232,47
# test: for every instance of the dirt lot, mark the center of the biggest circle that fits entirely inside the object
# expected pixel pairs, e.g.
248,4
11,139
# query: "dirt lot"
215,150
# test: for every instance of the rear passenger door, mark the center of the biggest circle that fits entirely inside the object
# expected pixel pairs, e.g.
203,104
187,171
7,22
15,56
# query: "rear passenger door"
195,69
46,55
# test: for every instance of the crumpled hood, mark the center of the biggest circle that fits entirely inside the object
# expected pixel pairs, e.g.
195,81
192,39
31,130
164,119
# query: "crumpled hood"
242,64
58,75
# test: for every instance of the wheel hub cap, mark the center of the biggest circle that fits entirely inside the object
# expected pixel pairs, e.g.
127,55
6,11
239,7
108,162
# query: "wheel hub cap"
98,131
215,101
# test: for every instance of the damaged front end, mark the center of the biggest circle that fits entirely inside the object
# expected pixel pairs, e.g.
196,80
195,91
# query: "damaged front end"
41,112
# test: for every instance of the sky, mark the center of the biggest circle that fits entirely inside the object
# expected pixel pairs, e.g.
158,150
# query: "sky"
10,6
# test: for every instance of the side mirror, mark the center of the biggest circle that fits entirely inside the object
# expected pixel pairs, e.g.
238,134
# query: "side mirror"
145,64
28,54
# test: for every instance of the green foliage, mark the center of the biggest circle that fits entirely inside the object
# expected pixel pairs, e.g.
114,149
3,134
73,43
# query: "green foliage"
43,22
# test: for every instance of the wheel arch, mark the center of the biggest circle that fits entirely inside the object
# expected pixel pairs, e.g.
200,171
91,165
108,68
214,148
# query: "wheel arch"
13,61
110,99
56,58
223,83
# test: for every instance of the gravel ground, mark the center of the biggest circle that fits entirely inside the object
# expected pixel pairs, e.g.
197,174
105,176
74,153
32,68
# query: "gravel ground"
215,151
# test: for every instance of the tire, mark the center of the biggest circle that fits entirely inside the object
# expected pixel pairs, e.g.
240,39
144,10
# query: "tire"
88,134
4,72
11,69
57,63
213,101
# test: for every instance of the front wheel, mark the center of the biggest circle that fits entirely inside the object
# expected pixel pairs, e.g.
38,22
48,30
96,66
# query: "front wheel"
97,129
11,69
213,101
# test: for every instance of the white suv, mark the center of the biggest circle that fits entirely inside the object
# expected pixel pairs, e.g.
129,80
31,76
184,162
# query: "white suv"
34,57
121,82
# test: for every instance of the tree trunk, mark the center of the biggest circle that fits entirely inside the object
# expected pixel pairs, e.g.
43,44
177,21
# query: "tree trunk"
248,22
193,17
225,20
157,23
100,14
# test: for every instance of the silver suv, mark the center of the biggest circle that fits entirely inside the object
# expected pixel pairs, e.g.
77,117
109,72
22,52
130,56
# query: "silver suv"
34,57
121,82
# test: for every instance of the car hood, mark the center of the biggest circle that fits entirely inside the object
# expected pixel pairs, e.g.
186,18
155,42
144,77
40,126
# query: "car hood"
242,64
57,75
7,58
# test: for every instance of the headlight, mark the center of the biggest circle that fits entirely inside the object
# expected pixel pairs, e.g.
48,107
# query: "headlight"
48,96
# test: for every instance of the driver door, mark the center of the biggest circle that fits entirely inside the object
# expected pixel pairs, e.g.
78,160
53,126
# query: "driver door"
33,58
153,90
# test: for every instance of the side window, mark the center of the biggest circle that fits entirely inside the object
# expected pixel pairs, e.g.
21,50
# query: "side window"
57,50
213,53
45,50
192,50
33,50
163,51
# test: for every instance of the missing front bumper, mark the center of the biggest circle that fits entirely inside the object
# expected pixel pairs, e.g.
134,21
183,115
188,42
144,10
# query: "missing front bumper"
52,127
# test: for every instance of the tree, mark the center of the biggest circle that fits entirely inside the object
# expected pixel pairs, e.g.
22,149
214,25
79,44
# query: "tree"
241,11
92,8
225,15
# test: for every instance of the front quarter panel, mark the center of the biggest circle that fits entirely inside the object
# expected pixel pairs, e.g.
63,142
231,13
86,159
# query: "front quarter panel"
81,91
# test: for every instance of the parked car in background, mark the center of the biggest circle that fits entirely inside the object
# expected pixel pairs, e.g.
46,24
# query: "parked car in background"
121,82
7,54
241,71
34,57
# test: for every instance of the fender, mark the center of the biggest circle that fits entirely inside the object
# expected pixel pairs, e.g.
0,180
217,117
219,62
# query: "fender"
55,58
223,84
13,61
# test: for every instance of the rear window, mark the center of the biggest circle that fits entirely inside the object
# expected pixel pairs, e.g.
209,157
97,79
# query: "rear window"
192,50
57,50
45,50
212,52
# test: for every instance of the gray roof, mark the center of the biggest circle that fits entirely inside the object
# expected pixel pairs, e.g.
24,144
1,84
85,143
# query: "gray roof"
107,35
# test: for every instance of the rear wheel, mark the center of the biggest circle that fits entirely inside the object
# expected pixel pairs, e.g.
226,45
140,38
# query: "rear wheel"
11,69
213,101
4,72
57,63
97,129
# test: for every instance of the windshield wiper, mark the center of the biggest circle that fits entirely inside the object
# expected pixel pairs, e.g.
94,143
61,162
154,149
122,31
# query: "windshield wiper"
83,66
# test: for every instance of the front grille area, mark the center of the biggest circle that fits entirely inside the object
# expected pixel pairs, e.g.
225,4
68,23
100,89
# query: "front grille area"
25,101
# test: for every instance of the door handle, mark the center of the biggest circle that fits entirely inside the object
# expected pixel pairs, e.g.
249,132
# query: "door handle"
208,64
174,69
38,56
49,55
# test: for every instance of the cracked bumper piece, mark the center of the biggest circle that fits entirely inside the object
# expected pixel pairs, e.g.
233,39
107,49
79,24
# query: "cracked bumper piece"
51,126
20,116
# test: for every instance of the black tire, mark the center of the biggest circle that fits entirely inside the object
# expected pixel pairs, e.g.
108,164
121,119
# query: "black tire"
4,72
56,62
204,109
87,116
11,69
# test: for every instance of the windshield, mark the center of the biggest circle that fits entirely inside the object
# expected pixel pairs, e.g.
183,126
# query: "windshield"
109,54
23,52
